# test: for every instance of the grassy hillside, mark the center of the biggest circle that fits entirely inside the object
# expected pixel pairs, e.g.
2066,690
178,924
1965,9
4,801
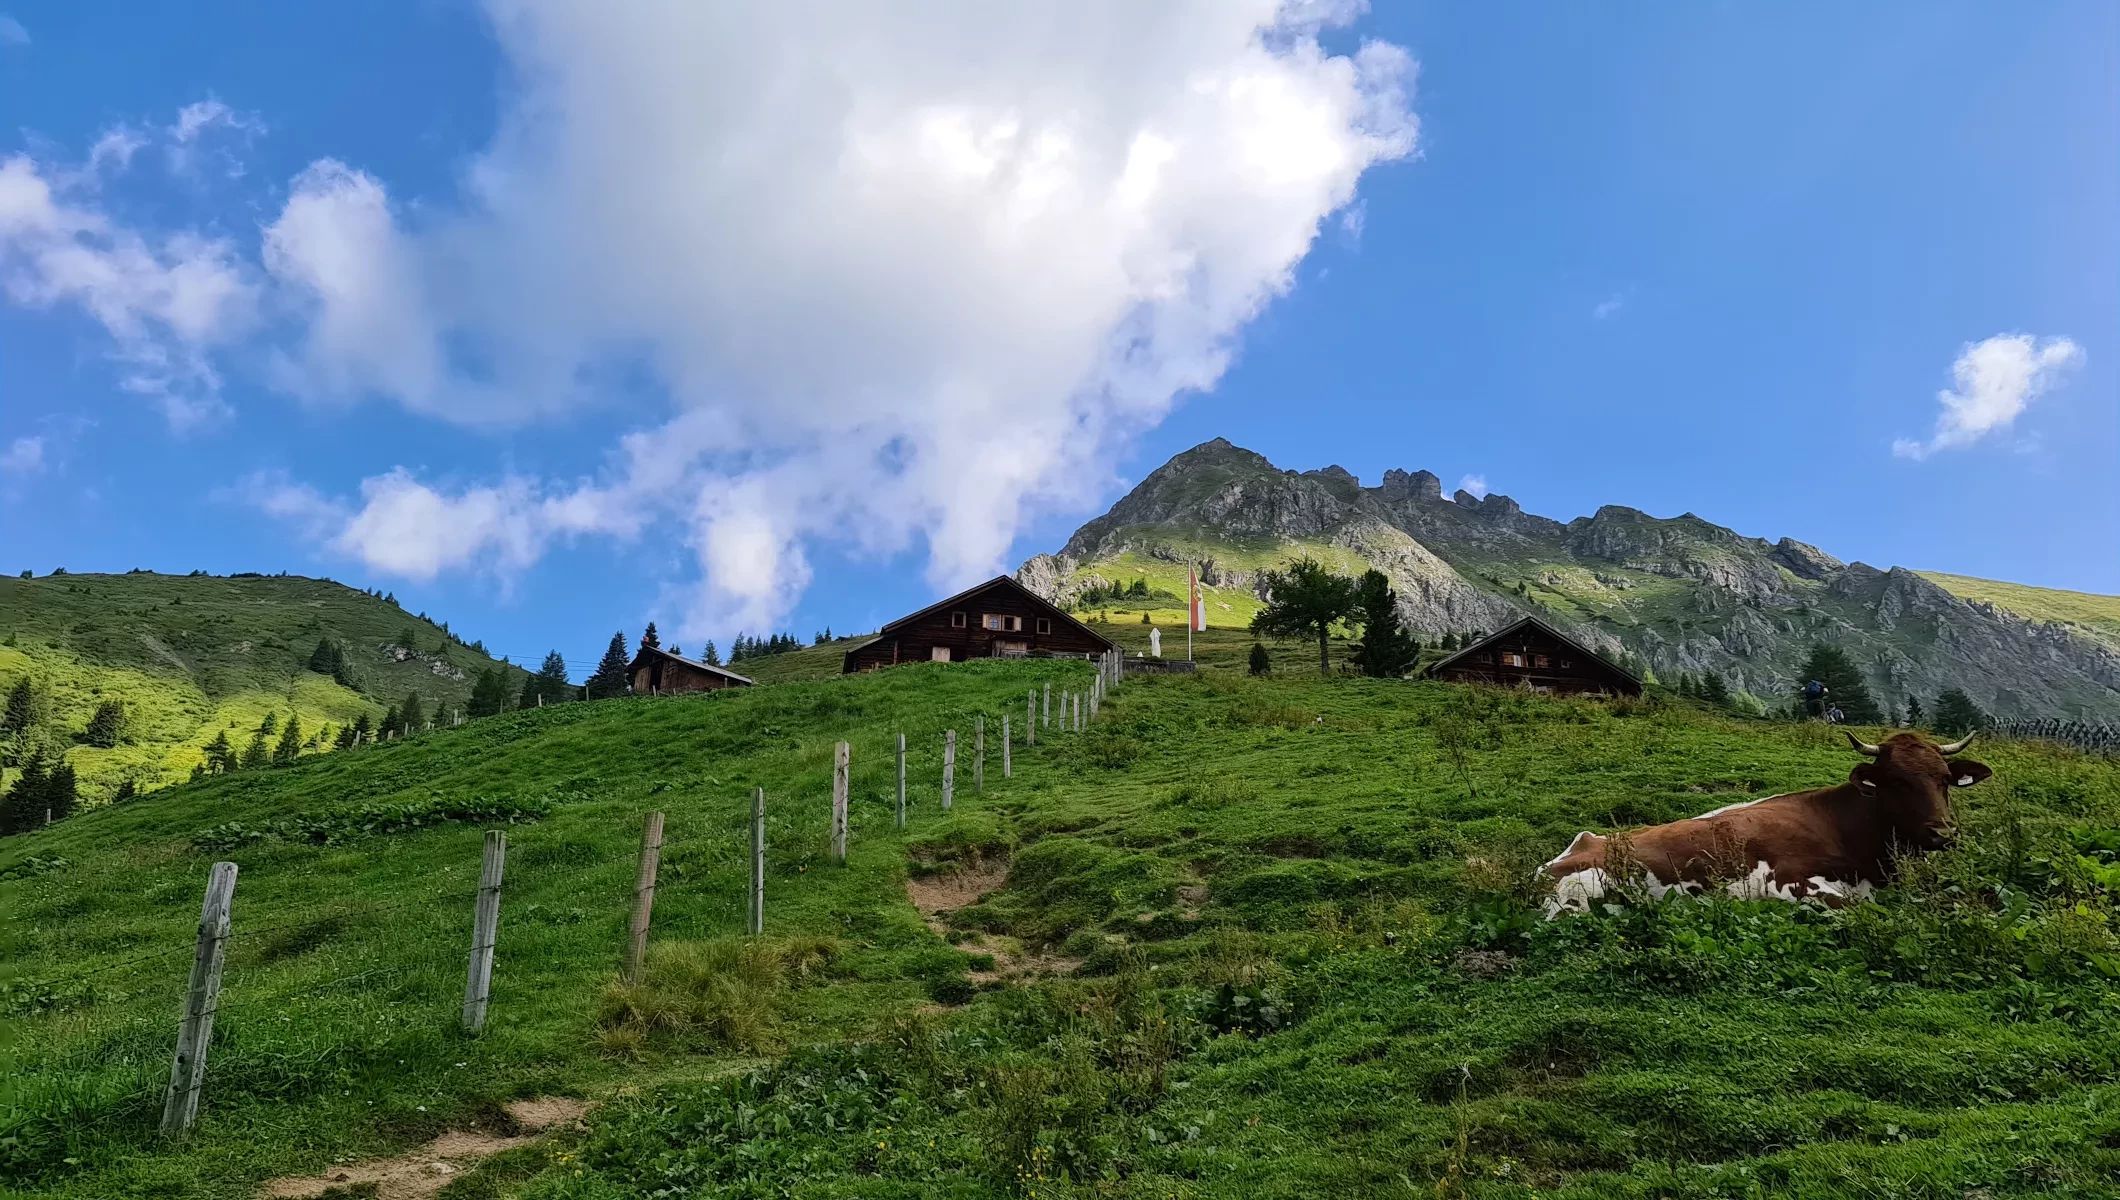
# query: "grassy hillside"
2096,615
1291,920
191,656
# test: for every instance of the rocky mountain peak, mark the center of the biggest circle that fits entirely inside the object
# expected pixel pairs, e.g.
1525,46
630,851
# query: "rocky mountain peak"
1420,485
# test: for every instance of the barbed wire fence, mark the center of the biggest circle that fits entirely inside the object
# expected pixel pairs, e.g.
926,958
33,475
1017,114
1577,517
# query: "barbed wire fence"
242,969
2083,735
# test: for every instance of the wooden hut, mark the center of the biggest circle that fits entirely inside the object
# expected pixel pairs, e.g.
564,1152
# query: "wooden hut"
1532,654
997,619
657,672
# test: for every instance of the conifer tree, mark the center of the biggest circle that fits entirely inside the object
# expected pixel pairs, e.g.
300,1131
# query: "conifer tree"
270,725
527,698
1957,715
650,640
346,735
363,729
324,660
610,677
1261,662
1387,652
258,754
1831,666
107,726
22,808
61,793
220,756
1715,691
712,657
21,707
488,695
1915,717
390,725
412,717
290,747
552,679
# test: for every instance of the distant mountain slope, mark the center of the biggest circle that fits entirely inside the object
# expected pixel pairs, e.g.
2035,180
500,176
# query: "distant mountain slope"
1679,593
191,656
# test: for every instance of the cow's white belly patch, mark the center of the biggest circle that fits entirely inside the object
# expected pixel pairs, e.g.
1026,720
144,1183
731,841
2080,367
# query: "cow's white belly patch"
1578,890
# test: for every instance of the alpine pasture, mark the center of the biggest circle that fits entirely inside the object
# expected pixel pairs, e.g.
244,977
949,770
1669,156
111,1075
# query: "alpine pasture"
1252,937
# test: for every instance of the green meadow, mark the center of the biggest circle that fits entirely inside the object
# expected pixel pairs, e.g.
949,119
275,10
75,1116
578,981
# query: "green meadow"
1284,932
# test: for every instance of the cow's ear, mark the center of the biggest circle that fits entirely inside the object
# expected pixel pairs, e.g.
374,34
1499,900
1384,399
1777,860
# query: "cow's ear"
1965,772
1863,776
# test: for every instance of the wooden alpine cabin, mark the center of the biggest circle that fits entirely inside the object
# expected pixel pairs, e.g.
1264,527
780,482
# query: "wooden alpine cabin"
1532,654
997,619
657,672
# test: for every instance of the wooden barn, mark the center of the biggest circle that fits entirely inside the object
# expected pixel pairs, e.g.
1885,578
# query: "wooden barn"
998,619
657,672
1532,654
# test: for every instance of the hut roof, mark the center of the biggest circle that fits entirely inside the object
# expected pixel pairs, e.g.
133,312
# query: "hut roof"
1534,623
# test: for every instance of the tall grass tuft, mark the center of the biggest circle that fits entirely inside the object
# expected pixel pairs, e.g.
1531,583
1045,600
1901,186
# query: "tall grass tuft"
722,994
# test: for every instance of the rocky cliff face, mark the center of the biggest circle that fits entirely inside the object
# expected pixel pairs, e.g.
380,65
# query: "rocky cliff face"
1679,593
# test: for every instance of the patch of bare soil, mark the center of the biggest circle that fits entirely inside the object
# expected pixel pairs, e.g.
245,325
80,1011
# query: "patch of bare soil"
937,895
420,1174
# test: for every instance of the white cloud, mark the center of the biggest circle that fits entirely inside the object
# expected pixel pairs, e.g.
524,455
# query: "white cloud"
12,33
1608,306
1993,381
1476,484
23,456
116,147
908,275
165,304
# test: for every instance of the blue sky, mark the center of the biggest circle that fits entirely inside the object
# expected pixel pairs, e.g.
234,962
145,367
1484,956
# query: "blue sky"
554,327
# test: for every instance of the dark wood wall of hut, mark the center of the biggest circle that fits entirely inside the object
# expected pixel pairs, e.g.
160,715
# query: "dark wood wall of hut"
995,621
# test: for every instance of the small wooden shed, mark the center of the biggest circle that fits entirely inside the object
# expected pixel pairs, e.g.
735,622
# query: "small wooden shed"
1532,654
997,619
657,672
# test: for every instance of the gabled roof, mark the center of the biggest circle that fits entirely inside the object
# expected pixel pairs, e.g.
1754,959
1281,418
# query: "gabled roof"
1005,581
641,656
1549,631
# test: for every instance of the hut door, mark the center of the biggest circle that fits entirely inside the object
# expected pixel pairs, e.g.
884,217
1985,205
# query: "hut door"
939,654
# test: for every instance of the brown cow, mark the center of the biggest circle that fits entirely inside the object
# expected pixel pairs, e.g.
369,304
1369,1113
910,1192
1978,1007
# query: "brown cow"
1837,844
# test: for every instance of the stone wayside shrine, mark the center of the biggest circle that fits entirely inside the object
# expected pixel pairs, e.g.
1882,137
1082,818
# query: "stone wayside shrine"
657,672
997,619
1534,655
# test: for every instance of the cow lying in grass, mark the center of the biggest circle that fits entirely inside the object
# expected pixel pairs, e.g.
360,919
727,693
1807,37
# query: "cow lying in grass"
1836,844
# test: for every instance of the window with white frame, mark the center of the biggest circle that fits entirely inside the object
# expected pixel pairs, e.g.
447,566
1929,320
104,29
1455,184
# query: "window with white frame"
1001,622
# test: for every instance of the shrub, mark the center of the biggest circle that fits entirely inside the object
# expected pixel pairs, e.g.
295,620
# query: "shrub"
723,994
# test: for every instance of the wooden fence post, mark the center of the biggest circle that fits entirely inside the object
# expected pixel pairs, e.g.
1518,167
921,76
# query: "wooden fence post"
901,781
1030,717
187,1072
1004,746
949,768
839,803
651,831
979,754
1048,704
485,924
758,861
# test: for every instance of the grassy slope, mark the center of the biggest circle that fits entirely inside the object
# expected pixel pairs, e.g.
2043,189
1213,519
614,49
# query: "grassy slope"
2096,615
1919,1046
193,655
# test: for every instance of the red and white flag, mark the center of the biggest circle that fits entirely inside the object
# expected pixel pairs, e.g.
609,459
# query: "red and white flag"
1196,605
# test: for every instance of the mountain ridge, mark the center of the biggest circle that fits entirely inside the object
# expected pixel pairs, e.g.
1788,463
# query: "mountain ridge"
1680,594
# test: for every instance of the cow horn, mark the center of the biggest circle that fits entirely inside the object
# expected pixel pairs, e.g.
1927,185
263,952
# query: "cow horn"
1956,746
1867,748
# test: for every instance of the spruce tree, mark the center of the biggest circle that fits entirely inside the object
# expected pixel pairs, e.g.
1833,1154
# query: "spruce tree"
488,695
650,640
1915,717
1261,662
21,707
1831,666
1387,651
1957,715
107,726
712,657
258,754
412,717
61,793
270,725
346,735
22,808
363,729
324,660
552,679
390,726
290,747
610,677
1715,691
220,756
527,698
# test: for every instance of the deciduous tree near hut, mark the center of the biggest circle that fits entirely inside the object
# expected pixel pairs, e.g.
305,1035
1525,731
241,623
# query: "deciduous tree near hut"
1304,601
